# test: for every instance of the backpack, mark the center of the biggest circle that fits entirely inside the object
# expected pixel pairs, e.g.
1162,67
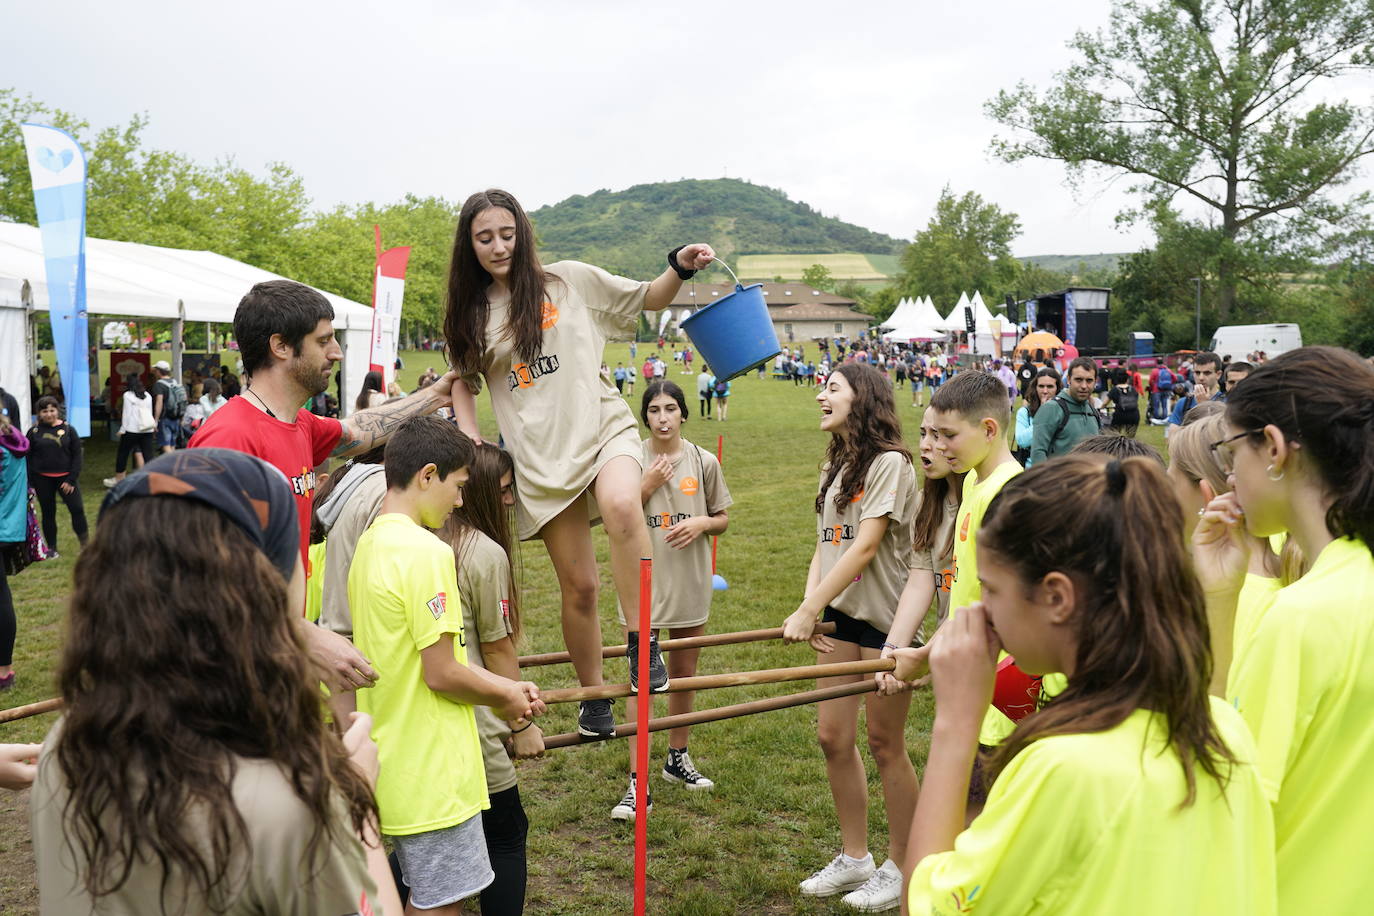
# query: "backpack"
1166,378
1064,420
175,405
722,386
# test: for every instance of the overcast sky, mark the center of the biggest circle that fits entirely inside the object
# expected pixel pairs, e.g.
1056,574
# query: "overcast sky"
863,110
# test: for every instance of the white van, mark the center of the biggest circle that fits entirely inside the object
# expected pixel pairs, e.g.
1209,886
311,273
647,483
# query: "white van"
1238,341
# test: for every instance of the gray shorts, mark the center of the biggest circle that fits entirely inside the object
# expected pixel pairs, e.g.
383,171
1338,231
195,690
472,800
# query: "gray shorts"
444,866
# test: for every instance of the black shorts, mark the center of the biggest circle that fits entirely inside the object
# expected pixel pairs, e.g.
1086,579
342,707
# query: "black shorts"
847,629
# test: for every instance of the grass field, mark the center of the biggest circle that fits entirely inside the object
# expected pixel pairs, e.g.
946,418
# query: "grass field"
843,266
741,848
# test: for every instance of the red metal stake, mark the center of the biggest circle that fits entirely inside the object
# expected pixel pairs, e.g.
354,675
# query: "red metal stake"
720,458
642,738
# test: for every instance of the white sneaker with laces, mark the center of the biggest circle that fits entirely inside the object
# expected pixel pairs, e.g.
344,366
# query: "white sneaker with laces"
881,892
624,809
839,876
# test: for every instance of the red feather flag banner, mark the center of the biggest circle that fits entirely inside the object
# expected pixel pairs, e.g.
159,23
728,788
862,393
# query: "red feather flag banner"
388,289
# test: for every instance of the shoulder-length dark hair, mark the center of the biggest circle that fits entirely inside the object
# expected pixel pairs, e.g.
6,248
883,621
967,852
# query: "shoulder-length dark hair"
1033,401
134,382
162,698
1140,623
935,492
371,382
871,429
482,510
465,321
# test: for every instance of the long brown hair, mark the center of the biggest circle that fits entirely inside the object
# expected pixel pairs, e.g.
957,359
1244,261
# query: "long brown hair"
872,428
465,324
483,512
935,492
1323,398
1032,400
1141,622
164,694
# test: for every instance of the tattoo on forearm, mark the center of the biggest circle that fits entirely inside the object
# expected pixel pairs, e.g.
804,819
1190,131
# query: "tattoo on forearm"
369,428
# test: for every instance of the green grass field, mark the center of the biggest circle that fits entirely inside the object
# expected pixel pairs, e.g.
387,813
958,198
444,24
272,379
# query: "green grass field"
843,266
741,848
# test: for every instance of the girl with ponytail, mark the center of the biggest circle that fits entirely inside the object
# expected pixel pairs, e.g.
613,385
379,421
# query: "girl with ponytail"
1131,791
1299,449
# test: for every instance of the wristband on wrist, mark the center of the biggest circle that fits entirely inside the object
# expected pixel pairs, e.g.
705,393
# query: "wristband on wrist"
682,272
516,731
888,645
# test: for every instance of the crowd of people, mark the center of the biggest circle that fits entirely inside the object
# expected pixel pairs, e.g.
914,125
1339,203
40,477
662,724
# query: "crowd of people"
1156,708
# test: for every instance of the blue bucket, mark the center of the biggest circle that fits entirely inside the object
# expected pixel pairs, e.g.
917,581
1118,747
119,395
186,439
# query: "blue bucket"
734,334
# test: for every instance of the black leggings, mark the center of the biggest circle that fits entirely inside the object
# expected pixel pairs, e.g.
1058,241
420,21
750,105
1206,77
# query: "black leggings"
506,827
705,406
9,626
48,489
130,441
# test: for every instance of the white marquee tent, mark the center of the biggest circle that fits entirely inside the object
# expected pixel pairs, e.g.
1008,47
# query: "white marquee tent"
144,281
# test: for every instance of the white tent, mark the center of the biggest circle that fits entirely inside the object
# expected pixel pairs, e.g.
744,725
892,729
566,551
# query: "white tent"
144,281
900,315
954,321
926,314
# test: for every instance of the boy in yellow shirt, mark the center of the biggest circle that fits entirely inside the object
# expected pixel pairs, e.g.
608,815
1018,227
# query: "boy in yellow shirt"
969,414
403,590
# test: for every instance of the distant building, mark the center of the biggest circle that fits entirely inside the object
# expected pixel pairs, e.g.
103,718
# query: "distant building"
800,313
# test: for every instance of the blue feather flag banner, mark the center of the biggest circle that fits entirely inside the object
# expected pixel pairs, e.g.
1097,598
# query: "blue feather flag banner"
58,168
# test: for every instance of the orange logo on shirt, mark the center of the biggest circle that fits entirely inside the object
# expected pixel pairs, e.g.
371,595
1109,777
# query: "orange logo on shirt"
858,496
549,318
689,486
963,528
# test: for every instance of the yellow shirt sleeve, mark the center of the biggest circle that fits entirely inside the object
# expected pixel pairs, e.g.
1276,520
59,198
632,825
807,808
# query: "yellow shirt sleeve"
433,607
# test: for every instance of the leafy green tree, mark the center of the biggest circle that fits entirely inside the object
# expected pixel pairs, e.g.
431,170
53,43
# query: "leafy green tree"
818,276
1219,102
965,246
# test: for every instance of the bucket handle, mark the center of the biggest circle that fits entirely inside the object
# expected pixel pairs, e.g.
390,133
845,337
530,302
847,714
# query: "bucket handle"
727,268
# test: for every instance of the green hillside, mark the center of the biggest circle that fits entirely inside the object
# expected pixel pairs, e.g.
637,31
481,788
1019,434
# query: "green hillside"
630,231
1076,263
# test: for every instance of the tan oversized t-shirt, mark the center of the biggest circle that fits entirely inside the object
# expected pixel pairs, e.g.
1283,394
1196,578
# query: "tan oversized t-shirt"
560,419
936,559
682,578
889,490
363,506
484,586
271,874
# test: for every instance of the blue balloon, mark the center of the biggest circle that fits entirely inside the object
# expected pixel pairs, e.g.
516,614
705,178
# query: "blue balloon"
718,582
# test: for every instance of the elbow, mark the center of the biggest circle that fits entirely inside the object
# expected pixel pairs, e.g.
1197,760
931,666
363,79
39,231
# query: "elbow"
434,679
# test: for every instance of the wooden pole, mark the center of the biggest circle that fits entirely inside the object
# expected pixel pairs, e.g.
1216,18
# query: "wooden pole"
667,645
700,716
32,709
646,632
736,679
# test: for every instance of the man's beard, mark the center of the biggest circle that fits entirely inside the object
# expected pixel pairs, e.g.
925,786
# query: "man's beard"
308,377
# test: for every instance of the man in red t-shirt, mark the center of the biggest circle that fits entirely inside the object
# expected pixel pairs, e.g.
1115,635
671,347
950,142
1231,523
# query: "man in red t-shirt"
285,333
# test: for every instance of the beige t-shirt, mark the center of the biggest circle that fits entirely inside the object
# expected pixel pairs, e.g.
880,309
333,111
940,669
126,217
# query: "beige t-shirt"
361,510
682,578
484,587
560,419
889,490
271,875
941,566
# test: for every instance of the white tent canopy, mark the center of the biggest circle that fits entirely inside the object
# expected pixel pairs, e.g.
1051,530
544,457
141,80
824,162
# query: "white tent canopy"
144,281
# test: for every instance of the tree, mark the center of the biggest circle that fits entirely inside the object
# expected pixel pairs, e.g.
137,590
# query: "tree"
818,276
1213,101
965,246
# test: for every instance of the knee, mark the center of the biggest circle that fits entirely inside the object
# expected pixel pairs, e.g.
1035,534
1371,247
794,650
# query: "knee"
886,749
620,513
835,742
580,593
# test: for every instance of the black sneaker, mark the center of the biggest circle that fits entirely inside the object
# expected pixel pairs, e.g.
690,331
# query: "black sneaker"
679,768
594,719
625,808
658,673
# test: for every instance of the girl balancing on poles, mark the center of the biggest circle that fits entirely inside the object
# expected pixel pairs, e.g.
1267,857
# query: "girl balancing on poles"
536,335
1131,791
865,507
1299,450
685,501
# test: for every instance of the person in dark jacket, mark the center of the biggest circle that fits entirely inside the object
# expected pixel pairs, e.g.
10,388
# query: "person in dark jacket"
1060,423
55,470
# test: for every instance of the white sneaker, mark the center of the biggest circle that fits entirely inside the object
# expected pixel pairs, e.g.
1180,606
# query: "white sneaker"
839,876
624,809
881,892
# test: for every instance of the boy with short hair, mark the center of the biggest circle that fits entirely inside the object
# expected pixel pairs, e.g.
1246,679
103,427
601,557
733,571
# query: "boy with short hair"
970,414
403,590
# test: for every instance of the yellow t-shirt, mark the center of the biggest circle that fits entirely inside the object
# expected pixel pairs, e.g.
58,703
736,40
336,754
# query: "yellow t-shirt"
1305,684
314,586
966,590
1256,595
403,590
977,494
1090,824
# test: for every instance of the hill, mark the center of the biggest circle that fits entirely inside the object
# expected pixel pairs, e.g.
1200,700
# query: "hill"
630,231
1077,263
